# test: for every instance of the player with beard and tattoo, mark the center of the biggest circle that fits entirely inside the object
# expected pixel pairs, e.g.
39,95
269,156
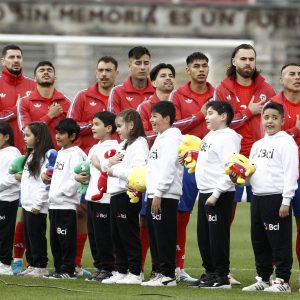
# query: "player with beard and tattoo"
245,88
46,103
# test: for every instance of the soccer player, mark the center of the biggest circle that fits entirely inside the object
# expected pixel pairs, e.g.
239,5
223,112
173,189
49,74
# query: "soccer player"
137,87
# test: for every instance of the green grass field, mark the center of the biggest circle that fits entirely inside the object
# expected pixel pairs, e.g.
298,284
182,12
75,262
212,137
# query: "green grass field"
242,266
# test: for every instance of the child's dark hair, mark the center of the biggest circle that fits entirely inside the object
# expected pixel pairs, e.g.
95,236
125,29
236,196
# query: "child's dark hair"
165,109
5,129
69,126
222,107
131,115
276,106
43,143
108,119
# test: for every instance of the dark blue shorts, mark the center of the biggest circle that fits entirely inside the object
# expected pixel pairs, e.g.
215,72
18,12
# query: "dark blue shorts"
239,193
296,202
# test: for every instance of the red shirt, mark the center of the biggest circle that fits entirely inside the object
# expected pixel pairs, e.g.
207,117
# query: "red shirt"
189,118
82,110
35,108
12,88
126,96
262,90
144,109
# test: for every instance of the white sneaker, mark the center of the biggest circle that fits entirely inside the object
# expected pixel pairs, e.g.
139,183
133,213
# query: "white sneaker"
26,271
232,280
185,277
260,285
113,279
152,278
38,272
5,269
279,286
162,280
130,279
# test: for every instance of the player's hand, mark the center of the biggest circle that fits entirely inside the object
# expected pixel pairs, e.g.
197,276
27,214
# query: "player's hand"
181,160
256,108
35,211
284,211
117,158
18,177
55,110
156,206
82,178
233,177
46,179
110,172
211,201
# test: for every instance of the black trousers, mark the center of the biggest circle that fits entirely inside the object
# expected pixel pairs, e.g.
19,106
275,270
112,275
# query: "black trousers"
63,239
35,227
271,237
213,231
125,231
8,214
162,231
98,224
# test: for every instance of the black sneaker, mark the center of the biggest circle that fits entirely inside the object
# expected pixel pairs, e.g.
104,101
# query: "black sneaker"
51,275
99,276
62,275
216,283
203,278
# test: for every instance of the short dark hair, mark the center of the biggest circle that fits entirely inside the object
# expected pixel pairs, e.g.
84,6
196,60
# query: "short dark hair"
108,118
196,55
288,65
276,106
5,129
69,126
154,72
44,63
138,52
108,59
231,70
222,107
165,109
10,47
131,115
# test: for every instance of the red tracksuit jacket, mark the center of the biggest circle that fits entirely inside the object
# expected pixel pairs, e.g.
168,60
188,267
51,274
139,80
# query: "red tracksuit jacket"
262,91
82,110
12,88
125,96
35,108
189,118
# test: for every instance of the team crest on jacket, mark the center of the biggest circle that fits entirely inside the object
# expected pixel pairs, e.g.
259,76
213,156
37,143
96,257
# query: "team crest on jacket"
93,103
263,97
188,100
37,105
2,95
129,98
28,93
